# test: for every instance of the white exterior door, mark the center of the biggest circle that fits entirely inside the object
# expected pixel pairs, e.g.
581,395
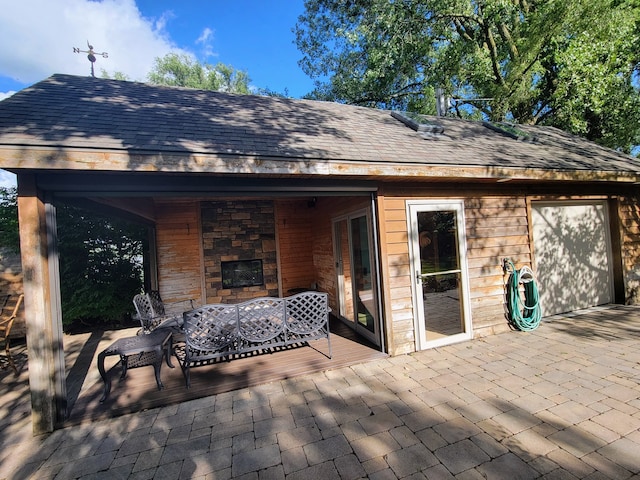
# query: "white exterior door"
439,272
572,251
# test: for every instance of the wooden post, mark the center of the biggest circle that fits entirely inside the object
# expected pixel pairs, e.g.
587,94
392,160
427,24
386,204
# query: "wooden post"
42,306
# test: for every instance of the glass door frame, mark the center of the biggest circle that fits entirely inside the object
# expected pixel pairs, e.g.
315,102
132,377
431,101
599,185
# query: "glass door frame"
373,336
414,207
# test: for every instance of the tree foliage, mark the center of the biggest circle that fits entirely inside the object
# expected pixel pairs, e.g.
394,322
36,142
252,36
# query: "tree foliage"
183,71
573,64
100,266
117,75
9,234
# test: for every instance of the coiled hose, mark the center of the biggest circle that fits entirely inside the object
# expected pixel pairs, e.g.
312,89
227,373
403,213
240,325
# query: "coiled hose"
523,315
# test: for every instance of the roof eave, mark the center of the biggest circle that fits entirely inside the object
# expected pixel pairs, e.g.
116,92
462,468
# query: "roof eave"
20,158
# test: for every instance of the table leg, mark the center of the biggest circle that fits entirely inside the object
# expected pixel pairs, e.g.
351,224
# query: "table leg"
169,352
156,368
124,360
105,378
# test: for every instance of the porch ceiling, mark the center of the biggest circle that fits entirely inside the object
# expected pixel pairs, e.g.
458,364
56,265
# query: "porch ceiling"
147,185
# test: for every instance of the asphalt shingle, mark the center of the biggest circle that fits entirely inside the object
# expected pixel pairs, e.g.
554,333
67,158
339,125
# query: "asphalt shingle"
72,112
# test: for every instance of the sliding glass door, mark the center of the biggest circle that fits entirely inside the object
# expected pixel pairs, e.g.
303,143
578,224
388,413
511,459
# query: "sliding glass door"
355,273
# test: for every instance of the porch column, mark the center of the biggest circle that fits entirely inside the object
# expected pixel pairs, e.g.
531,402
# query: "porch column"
41,302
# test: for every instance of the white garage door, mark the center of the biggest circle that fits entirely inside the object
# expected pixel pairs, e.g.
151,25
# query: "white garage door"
572,255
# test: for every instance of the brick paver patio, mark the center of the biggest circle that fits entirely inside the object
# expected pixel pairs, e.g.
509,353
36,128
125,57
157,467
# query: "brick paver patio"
561,402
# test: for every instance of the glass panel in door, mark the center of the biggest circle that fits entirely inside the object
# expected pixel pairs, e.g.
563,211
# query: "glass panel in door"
439,275
362,282
343,270
357,303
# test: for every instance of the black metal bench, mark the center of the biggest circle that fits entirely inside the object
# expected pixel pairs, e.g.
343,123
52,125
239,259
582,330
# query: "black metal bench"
217,331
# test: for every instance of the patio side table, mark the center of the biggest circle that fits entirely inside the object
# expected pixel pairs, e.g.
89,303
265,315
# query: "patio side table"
138,351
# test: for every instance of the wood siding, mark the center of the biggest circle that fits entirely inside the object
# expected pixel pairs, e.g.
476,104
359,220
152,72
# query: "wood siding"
179,255
304,243
628,255
496,228
397,276
295,237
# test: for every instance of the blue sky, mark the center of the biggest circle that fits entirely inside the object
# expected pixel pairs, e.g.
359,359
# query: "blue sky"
251,35
37,38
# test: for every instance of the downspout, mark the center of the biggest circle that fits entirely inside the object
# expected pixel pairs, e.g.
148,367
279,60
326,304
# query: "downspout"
376,243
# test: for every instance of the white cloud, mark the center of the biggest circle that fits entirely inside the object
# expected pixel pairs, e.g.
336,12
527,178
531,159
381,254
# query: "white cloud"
35,46
4,95
205,36
7,179
206,40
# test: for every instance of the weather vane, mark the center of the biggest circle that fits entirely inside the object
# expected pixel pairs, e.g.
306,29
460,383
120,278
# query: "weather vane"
91,55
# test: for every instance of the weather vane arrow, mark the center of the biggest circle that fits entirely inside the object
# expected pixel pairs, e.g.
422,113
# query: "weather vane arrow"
91,55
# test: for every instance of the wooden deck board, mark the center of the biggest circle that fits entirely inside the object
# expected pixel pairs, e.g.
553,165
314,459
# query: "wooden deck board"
138,391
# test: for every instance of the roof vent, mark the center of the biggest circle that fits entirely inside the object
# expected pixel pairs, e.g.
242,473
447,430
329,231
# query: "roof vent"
510,130
420,123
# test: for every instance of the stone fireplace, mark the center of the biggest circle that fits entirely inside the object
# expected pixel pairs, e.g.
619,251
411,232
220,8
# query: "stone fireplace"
239,236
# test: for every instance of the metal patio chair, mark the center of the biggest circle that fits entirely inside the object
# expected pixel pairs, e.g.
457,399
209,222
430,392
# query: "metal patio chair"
151,313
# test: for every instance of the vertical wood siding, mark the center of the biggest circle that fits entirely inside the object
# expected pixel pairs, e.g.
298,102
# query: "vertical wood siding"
496,227
629,226
399,305
178,238
295,235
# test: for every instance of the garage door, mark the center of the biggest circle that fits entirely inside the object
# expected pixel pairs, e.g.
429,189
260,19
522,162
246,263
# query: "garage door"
572,255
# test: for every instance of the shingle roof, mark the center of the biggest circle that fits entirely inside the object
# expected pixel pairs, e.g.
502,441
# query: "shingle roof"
71,112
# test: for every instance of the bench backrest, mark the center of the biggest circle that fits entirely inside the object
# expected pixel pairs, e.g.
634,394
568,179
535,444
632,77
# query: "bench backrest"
216,326
307,312
149,304
261,319
150,310
211,327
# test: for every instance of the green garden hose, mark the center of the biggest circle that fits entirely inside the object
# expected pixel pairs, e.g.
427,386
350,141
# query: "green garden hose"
523,315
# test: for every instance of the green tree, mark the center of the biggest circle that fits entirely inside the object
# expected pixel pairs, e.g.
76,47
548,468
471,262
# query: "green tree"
100,261
9,234
114,76
100,266
567,63
183,71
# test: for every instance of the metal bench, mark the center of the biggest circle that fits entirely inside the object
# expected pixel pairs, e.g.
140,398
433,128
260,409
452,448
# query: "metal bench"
217,331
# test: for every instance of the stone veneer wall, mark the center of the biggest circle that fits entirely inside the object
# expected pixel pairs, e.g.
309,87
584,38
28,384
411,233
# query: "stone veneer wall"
238,230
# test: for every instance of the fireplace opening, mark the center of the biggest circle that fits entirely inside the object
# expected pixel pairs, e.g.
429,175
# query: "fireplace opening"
242,273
